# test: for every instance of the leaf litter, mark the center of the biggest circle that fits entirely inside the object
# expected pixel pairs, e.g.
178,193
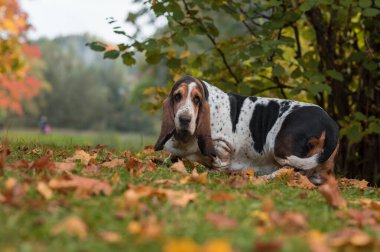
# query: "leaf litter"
79,173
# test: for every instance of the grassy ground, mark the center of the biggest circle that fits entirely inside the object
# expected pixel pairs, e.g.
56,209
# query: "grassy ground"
70,138
29,221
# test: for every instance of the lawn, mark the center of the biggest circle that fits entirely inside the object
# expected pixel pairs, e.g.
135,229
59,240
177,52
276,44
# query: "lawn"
67,194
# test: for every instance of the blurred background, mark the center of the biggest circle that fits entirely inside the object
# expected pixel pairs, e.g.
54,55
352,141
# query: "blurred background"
83,98
97,71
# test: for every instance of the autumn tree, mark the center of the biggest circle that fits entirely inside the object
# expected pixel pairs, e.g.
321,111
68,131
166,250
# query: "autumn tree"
321,51
17,84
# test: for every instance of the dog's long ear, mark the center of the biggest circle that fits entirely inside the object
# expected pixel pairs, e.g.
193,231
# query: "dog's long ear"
167,126
203,131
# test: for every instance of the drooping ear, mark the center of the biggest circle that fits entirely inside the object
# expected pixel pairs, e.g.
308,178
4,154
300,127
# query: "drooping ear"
167,126
203,131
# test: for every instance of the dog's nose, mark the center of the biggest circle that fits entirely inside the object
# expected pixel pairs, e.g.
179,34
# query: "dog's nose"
184,119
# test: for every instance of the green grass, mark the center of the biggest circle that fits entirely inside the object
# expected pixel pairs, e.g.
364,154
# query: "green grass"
69,138
27,225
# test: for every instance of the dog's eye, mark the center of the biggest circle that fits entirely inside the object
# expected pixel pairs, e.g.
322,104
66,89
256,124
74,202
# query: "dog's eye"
196,99
178,97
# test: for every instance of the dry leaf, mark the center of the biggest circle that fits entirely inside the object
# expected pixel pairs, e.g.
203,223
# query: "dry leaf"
345,182
221,221
332,194
109,236
179,167
200,178
82,186
268,246
317,241
291,222
301,181
181,245
44,163
177,198
64,166
360,217
216,245
44,190
148,228
221,197
14,192
349,236
113,163
71,225
82,156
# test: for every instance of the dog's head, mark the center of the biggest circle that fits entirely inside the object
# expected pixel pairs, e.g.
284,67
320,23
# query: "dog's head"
186,113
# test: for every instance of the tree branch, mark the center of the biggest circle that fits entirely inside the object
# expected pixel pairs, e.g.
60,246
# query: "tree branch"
213,41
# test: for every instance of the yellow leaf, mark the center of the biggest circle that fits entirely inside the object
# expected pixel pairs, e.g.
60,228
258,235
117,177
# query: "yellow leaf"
185,55
73,226
44,190
82,156
181,245
217,245
109,236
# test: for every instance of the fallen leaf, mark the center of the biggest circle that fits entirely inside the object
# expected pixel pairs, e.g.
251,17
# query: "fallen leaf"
332,194
221,197
300,181
82,156
268,246
109,236
148,228
284,172
43,163
71,225
179,198
194,176
44,190
82,186
317,241
221,221
176,198
290,222
360,217
113,163
219,245
345,182
179,167
349,236
181,245
14,192
64,166
90,170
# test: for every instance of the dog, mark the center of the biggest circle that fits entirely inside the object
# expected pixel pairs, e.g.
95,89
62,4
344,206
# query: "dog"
228,131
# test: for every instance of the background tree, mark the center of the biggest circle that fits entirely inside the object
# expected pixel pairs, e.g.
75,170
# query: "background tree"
324,51
17,83
85,92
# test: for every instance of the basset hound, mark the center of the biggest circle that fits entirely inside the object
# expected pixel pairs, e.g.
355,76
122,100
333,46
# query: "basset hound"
232,132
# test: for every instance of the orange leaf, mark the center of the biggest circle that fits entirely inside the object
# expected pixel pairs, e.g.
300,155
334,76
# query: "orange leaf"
221,221
71,225
83,186
179,167
44,190
332,194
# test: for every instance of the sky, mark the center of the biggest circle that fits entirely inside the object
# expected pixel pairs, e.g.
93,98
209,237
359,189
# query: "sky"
52,18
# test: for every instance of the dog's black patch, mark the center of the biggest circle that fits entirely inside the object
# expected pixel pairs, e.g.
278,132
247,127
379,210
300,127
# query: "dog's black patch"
236,102
253,98
285,105
262,121
302,124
